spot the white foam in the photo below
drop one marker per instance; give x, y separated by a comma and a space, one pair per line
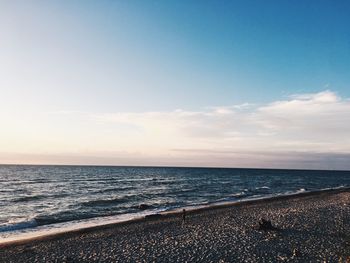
15, 232
262, 187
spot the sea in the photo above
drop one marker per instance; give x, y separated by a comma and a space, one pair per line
40, 200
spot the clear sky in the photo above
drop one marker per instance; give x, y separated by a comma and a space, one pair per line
192, 83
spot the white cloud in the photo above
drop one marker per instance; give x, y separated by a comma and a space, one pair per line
324, 96
302, 131
312, 122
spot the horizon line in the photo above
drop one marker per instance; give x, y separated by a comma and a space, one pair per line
168, 166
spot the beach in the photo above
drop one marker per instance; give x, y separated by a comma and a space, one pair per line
310, 227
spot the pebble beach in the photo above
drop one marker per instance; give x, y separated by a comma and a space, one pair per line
311, 227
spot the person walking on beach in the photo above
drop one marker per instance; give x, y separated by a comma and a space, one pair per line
183, 216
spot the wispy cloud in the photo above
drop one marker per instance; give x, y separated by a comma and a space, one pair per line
311, 130
301, 131
317, 122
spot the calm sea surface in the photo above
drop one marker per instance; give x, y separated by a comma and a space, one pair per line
35, 196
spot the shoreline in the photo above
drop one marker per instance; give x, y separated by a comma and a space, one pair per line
167, 214
306, 227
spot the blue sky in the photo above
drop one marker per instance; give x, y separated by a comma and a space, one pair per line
98, 58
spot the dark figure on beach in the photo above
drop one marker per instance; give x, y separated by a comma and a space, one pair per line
183, 216
266, 225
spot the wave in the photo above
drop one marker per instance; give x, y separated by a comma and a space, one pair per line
28, 198
116, 189
65, 216
12, 226
240, 194
103, 202
262, 187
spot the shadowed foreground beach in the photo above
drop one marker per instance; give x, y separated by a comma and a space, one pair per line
311, 228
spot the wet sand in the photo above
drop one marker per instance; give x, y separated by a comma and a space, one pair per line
311, 228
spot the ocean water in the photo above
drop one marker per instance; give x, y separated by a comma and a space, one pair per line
40, 199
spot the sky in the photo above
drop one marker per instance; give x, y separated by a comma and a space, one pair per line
176, 83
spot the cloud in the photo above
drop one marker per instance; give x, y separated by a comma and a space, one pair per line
317, 122
301, 131
311, 126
